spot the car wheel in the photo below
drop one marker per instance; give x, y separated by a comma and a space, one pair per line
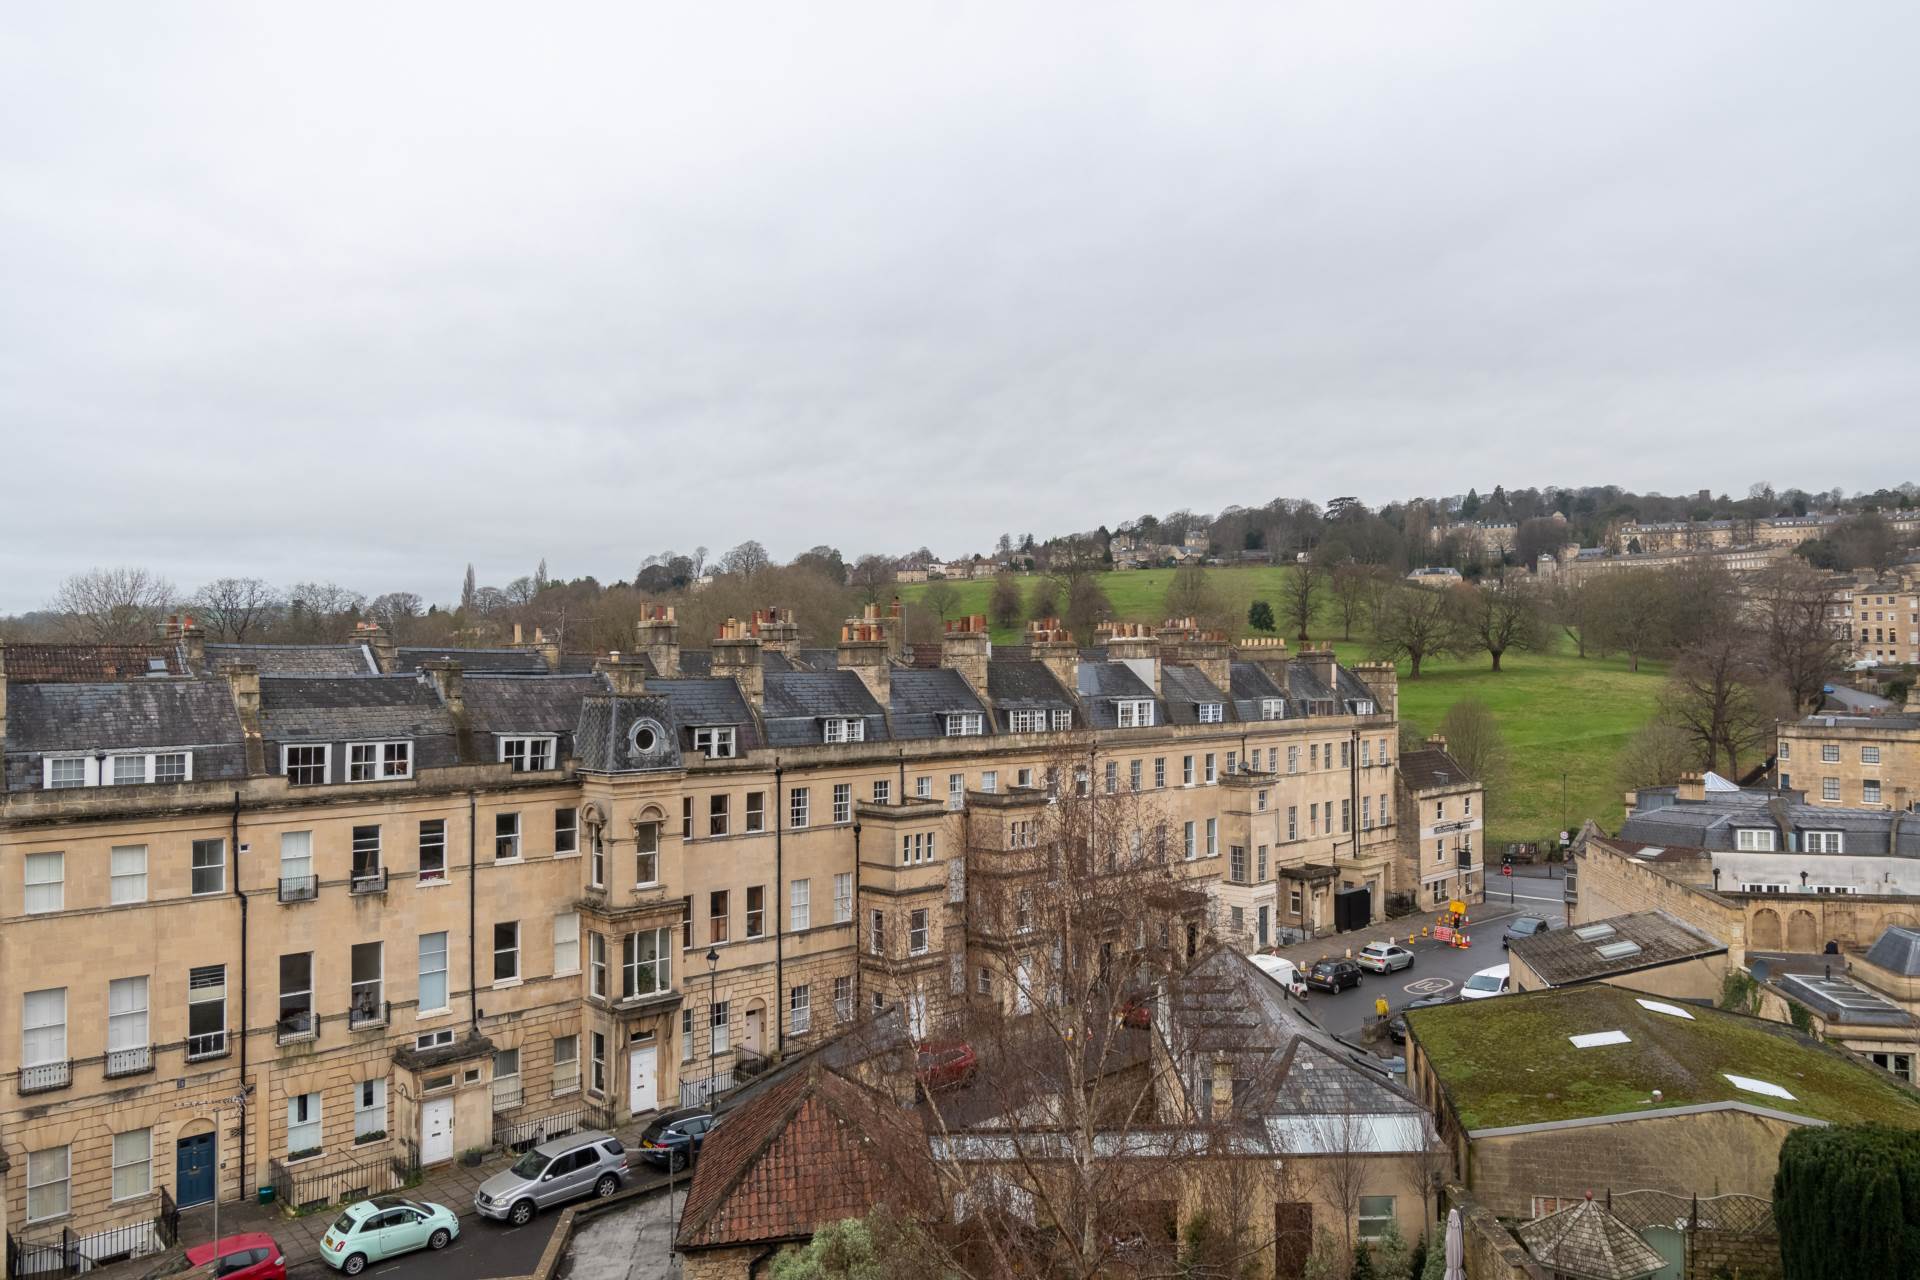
677, 1161
438, 1240
1409, 962
354, 1265
607, 1185
521, 1214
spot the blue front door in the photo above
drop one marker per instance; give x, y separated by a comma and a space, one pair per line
193, 1170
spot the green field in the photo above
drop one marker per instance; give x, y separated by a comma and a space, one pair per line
1565, 718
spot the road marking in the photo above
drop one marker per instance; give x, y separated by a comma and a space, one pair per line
1528, 897
1427, 986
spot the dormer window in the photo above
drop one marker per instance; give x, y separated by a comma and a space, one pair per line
533, 754
1754, 839
126, 769
1134, 713
379, 761
1359, 706
846, 729
1211, 712
1062, 720
963, 724
1822, 842
305, 766
717, 741
1273, 708
70, 771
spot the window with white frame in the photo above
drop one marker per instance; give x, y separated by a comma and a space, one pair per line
129, 770
799, 1010
1753, 839
306, 765
882, 791
46, 882
917, 932
686, 1033
1186, 771
597, 966
843, 999
433, 973
303, 1125
434, 1039
379, 761
1061, 719
1026, 721
1133, 775
1273, 708
843, 802
535, 753
1134, 713
842, 896
369, 1110
923, 786
132, 1164
1830, 753
366, 853
1213, 836
719, 814
1786, 749
206, 1011
646, 853
566, 943
127, 1024
66, 771
597, 1081
756, 911
433, 849
47, 1183
1113, 777
1212, 773
1376, 1217
1159, 772
209, 866
963, 724
1293, 759
717, 1024
43, 1028
717, 742
566, 1064
799, 906
1822, 841
844, 729
990, 781
1211, 712
797, 808
1190, 847
506, 837
956, 791
877, 932
506, 951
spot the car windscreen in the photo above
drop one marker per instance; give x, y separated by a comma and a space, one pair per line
1483, 982
530, 1165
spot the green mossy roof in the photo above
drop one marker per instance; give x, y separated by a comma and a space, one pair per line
1508, 1061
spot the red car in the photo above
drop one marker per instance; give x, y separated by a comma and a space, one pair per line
253, 1256
945, 1063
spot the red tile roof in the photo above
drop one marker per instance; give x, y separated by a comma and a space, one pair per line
812, 1150
86, 663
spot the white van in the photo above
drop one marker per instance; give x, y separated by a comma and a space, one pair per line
1284, 972
1486, 984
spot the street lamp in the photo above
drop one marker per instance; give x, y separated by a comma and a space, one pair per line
713, 986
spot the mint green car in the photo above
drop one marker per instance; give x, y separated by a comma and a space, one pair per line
382, 1227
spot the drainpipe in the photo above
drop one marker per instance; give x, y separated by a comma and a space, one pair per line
233, 844
473, 983
903, 776
856, 918
779, 928
1353, 787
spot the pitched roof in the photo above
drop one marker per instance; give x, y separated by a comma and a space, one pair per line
411, 658
358, 708
812, 1150
48, 719
1185, 688
298, 659
1588, 1242
1618, 944
517, 704
707, 701
1425, 768
797, 701
920, 699
71, 663
1897, 951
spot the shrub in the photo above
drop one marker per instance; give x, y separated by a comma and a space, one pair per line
1847, 1202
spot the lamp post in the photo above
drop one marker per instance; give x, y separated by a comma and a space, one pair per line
713, 987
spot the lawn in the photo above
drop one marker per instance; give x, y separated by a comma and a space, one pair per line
1565, 718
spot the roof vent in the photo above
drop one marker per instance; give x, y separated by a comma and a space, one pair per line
1618, 950
1595, 1039
1593, 932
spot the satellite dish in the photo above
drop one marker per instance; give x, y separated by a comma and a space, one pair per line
1760, 968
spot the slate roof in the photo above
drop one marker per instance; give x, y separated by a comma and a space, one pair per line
1897, 951
603, 737
84, 663
337, 709
1251, 685
1103, 683
819, 659
1183, 688
696, 662
52, 719
695, 702
919, 700
1711, 823
298, 659
1564, 956
1025, 685
515, 704
1426, 768
412, 658
1588, 1242
797, 701
812, 1150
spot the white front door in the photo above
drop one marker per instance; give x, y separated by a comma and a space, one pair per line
436, 1130
751, 1042
642, 1095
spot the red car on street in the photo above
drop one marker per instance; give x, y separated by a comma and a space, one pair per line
253, 1256
943, 1064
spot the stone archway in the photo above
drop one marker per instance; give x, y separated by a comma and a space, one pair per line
1803, 931
1764, 933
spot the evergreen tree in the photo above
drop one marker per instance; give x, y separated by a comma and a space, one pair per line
468, 591
1847, 1202
1260, 616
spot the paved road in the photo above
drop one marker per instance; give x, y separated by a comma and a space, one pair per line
485, 1248
1438, 969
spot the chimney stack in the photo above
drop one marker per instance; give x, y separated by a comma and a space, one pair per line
445, 674
966, 649
1133, 644
1182, 640
548, 650
863, 651
1270, 654
1222, 1091
189, 639
658, 636
736, 656
375, 637
1693, 786
3, 695
1319, 660
243, 682
624, 673
777, 630
1052, 646
1384, 679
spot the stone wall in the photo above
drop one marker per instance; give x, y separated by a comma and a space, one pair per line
1491, 1251
1711, 1254
1610, 884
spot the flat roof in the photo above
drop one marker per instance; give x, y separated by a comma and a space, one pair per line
1618, 944
1511, 1061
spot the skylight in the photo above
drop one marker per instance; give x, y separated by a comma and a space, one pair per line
1618, 950
1593, 932
1758, 1086
1595, 1039
1660, 1006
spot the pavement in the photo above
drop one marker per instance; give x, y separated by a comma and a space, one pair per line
627, 1243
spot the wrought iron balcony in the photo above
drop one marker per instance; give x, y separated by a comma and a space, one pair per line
129, 1062
368, 1013
46, 1076
210, 1044
368, 880
299, 888
295, 1026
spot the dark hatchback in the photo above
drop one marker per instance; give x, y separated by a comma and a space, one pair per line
673, 1140
1397, 1025
1523, 927
1332, 975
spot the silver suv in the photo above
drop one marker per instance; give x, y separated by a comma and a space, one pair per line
557, 1170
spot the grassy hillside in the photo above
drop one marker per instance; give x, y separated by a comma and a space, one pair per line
1562, 715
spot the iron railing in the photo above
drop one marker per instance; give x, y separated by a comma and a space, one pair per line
210, 1044
298, 1025
46, 1076
368, 880
70, 1254
299, 888
507, 1094
523, 1135
129, 1062
369, 1013
321, 1180
700, 1092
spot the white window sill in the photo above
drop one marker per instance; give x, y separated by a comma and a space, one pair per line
431, 1015
503, 984
650, 884
566, 973
432, 882
563, 857
567, 1092
515, 860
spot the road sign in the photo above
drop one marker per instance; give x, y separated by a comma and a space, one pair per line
1442, 933
1506, 871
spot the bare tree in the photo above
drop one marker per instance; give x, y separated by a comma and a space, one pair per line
235, 608
1569, 604
1352, 586
941, 597
1004, 605
1415, 623
1300, 592
1043, 600
114, 606
746, 559
1497, 619
1474, 739
1720, 698
872, 576
396, 612
1805, 646
321, 611
1341, 1166
1656, 756
521, 591
1628, 611
1191, 594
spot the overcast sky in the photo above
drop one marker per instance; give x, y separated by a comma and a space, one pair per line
366, 292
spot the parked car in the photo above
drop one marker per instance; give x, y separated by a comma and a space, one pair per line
384, 1227
1284, 972
1397, 1025
1485, 984
1136, 1010
559, 1169
250, 1256
673, 1140
1523, 927
1384, 957
1333, 975
942, 1064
